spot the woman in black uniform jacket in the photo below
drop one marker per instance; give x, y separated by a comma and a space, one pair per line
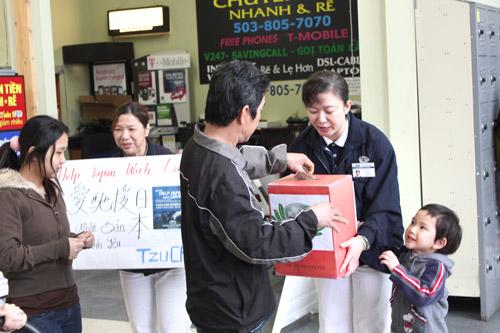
339, 143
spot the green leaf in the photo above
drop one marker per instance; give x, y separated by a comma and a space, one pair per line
282, 211
277, 215
319, 231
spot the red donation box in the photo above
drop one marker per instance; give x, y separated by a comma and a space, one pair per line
288, 196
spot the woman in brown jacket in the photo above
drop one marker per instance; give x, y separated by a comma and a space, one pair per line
36, 249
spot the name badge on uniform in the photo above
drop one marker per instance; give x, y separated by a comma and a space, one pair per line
364, 169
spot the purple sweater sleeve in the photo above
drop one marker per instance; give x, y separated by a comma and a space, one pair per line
424, 290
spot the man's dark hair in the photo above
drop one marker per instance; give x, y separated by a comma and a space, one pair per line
233, 85
447, 226
321, 82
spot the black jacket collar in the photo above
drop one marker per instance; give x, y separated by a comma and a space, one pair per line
355, 141
355, 137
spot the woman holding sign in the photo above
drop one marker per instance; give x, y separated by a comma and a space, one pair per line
155, 298
339, 143
36, 246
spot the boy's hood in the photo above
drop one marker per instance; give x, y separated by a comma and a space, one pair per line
448, 263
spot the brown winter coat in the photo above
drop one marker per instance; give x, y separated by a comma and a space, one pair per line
34, 246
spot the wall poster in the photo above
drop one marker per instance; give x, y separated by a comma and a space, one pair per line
110, 79
286, 39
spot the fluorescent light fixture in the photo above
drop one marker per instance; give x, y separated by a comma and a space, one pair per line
138, 21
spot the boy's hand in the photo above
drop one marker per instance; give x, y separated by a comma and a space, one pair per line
389, 259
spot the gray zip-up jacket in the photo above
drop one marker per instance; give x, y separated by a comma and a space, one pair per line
420, 299
228, 242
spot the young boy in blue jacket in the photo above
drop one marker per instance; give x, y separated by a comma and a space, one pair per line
419, 297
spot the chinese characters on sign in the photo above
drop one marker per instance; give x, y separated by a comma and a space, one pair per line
132, 205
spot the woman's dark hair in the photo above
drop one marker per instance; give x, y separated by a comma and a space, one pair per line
41, 133
321, 82
234, 85
137, 110
447, 226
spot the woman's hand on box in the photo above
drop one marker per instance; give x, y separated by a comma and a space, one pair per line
354, 248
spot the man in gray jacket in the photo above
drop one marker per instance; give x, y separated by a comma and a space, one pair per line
228, 242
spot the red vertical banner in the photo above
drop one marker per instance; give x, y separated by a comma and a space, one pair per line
12, 103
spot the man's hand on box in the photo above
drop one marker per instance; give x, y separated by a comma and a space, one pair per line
328, 216
299, 162
354, 248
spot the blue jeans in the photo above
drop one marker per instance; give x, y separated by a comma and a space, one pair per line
57, 321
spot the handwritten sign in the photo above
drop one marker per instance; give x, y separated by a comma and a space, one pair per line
133, 207
12, 103
287, 40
